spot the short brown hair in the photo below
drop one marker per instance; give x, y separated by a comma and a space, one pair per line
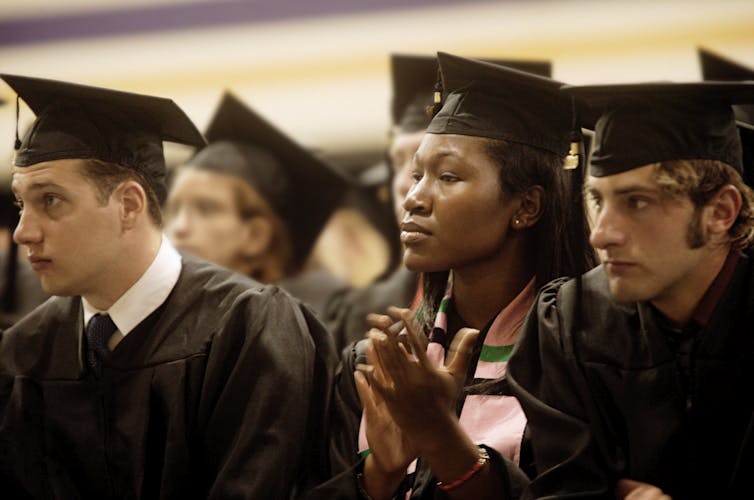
106, 176
700, 180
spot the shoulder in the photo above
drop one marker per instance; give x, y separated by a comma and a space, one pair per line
213, 295
578, 314
53, 311
26, 346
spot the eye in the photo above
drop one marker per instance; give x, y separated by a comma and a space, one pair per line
206, 208
637, 203
595, 202
417, 175
50, 200
450, 178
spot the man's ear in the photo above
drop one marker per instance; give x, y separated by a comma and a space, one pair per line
133, 202
530, 208
260, 233
722, 210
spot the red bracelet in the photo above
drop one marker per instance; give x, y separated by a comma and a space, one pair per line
484, 457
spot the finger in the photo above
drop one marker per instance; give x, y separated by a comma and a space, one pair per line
365, 392
374, 359
392, 358
461, 351
415, 335
629, 489
379, 321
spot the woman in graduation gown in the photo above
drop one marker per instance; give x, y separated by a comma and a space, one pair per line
255, 201
489, 198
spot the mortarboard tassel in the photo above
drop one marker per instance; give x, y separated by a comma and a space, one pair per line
437, 96
17, 144
572, 160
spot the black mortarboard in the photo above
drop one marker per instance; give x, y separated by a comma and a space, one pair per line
718, 68
644, 123
77, 121
302, 188
487, 100
414, 82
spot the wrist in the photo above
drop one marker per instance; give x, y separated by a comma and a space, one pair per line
377, 482
481, 461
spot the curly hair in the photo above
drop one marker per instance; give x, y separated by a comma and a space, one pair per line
699, 180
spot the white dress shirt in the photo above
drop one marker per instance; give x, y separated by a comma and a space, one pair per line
145, 296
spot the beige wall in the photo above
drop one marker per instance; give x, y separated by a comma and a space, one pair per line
325, 80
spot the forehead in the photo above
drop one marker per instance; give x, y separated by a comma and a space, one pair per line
637, 178
65, 173
451, 145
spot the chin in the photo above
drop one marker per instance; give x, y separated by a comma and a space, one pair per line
624, 294
422, 265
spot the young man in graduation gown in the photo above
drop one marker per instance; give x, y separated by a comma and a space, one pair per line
149, 375
639, 376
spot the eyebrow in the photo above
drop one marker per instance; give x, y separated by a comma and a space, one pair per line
630, 189
443, 153
39, 186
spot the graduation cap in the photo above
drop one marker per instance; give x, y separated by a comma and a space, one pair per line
719, 68
643, 123
415, 79
302, 188
82, 122
487, 100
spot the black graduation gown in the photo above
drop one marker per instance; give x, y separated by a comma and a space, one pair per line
27, 292
346, 318
605, 399
316, 288
217, 394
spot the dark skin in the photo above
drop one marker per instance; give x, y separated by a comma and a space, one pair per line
458, 218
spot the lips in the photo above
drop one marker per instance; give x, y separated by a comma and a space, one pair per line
618, 267
412, 232
39, 263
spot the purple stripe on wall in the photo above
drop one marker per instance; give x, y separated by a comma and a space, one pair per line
146, 19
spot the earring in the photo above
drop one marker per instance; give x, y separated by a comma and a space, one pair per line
516, 221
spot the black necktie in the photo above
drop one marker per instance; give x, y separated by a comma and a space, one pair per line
99, 331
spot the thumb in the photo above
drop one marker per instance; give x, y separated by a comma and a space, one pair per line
461, 350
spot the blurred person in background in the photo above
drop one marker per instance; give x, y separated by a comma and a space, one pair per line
255, 201
490, 192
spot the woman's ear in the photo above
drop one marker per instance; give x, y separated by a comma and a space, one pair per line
259, 236
530, 208
133, 202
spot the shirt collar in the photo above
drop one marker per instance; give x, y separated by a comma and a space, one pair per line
705, 308
147, 294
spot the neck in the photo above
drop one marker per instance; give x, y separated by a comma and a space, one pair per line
679, 303
482, 291
135, 258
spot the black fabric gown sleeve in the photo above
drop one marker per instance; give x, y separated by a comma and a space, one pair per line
255, 400
572, 460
